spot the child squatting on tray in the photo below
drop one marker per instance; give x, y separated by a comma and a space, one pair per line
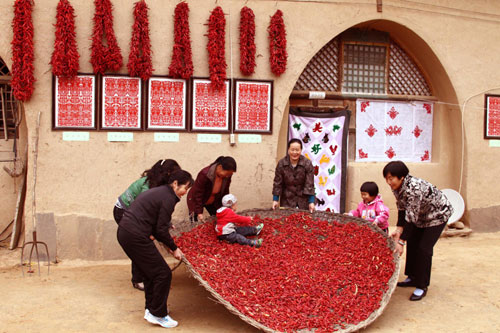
372, 207
228, 222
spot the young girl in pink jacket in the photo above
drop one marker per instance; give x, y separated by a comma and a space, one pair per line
372, 207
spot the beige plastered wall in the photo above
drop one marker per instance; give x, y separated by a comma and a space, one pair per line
78, 182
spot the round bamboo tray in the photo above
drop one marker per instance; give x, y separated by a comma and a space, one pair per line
330, 217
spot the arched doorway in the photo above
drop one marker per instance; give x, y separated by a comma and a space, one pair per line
384, 61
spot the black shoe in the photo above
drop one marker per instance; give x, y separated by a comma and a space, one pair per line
414, 297
138, 285
406, 284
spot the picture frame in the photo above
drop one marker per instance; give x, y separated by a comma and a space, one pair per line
121, 106
253, 106
491, 116
74, 102
166, 104
210, 109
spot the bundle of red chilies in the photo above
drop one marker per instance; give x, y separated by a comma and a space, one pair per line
309, 273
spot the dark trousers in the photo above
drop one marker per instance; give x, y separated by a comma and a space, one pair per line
239, 236
157, 274
420, 245
136, 273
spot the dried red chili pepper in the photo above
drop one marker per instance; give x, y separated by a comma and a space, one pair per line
182, 62
216, 48
139, 59
65, 56
309, 274
247, 41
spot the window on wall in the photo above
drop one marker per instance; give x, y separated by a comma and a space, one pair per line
8, 105
364, 68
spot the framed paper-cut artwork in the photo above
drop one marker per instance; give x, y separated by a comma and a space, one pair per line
253, 105
210, 108
74, 102
492, 116
121, 104
166, 104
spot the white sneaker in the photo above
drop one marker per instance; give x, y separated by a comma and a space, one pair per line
166, 321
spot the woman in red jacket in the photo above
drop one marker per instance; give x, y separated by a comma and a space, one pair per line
212, 183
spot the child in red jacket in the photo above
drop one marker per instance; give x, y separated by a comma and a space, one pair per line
234, 228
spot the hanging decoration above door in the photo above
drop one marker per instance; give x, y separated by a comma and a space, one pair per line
324, 138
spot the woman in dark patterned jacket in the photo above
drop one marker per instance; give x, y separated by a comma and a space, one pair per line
294, 180
423, 211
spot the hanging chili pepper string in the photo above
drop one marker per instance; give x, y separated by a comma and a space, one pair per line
247, 41
277, 43
65, 56
22, 71
139, 60
216, 48
102, 57
181, 65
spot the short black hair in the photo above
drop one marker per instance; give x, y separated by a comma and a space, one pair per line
370, 187
182, 177
396, 168
294, 141
226, 162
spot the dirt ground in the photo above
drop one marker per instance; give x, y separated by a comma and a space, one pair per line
464, 296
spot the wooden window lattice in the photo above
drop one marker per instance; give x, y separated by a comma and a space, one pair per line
8, 106
364, 68
405, 78
402, 75
322, 72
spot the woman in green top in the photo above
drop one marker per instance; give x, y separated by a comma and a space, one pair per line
157, 175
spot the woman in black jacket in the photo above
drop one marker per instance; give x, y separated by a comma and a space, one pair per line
150, 214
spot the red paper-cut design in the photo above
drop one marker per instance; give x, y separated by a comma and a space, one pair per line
371, 131
121, 102
167, 103
393, 130
74, 102
334, 149
210, 106
390, 152
330, 192
362, 154
425, 157
428, 108
317, 128
393, 113
417, 131
492, 116
253, 106
364, 105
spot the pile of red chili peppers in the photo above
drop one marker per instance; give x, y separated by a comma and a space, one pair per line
308, 274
